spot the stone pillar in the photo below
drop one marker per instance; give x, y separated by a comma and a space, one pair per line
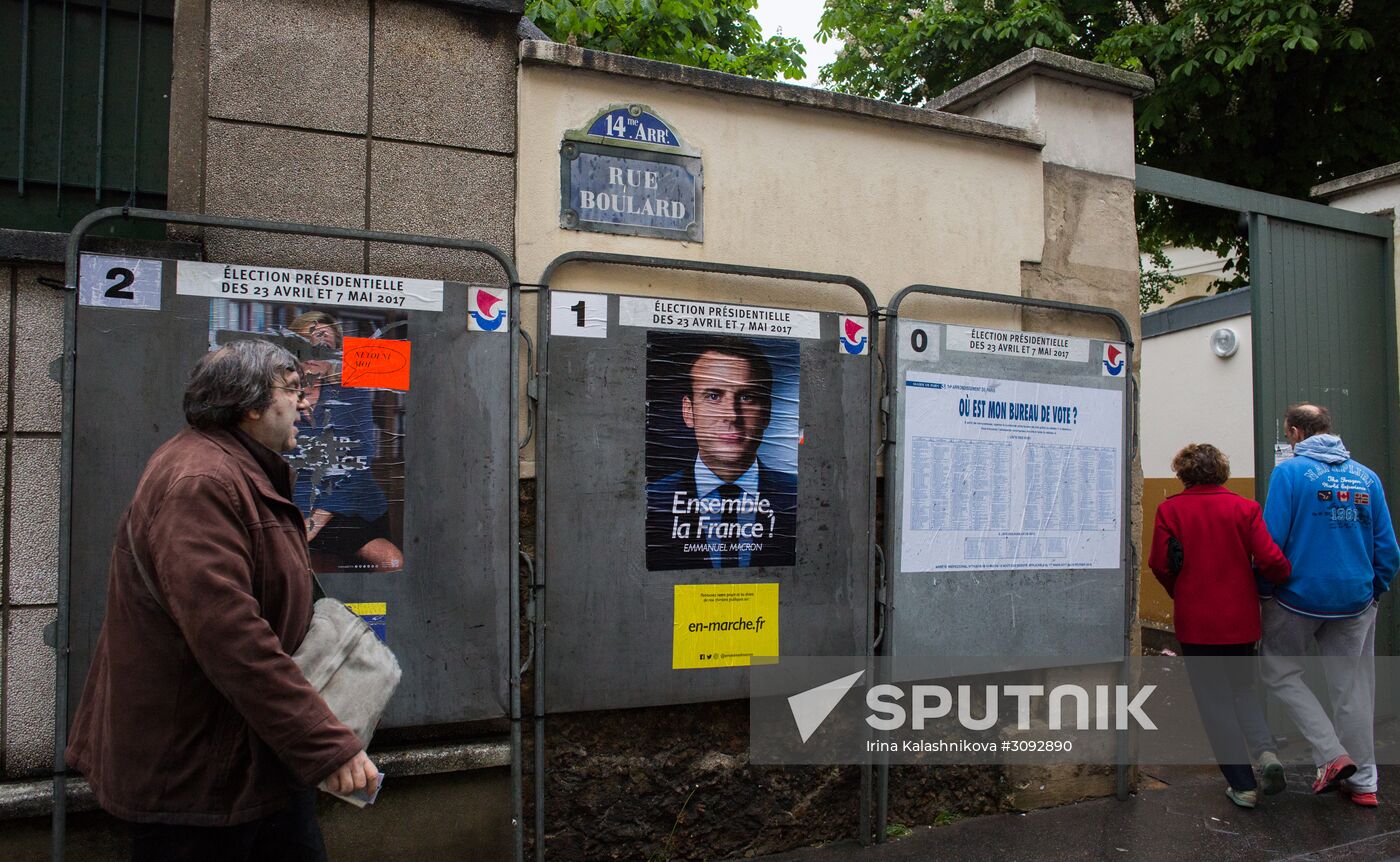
1084, 111
32, 423
393, 115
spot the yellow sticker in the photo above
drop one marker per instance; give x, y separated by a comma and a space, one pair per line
375, 615
724, 625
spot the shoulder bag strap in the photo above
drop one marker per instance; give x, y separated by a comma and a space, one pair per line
317, 591
145, 575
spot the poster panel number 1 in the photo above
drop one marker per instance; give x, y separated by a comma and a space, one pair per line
583, 315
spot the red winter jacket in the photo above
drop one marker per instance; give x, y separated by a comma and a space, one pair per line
1220, 532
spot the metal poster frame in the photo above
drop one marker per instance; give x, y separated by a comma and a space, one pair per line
539, 582
893, 472
61, 639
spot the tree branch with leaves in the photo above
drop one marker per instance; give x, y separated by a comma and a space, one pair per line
1273, 95
722, 35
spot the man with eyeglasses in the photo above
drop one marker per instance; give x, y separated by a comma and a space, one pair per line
195, 724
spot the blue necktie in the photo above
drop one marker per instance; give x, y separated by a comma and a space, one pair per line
729, 492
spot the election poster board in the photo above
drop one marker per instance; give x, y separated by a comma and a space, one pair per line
349, 458
706, 493
402, 462
721, 451
1010, 474
1007, 538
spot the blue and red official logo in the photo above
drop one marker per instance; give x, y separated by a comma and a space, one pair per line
487, 311
1114, 359
854, 338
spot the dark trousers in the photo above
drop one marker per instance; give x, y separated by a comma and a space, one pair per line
291, 835
1228, 697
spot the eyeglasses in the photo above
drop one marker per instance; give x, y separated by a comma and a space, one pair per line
301, 391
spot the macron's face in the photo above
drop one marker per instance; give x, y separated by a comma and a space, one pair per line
728, 410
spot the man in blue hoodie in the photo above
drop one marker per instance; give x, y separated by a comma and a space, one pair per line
1328, 515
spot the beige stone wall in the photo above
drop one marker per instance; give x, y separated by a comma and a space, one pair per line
789, 186
1090, 257
890, 201
31, 425
793, 187
818, 187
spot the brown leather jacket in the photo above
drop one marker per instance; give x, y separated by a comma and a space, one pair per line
200, 716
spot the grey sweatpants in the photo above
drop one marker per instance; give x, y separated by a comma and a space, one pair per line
1347, 649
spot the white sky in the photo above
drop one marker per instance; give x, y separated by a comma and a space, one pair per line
799, 18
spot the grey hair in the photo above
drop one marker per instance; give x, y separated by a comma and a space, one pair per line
233, 380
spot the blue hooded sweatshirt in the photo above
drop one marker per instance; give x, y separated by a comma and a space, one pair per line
1328, 515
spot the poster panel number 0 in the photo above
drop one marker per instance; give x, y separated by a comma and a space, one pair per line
919, 341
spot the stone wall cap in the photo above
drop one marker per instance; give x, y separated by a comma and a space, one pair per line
570, 56
36, 246
504, 7
34, 798
1355, 182
435, 759
1038, 61
528, 30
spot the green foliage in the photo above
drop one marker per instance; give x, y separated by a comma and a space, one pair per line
722, 35
944, 817
1273, 95
1155, 278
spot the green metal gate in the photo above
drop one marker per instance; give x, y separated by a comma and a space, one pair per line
1323, 307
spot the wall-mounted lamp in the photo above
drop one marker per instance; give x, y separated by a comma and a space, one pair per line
1224, 342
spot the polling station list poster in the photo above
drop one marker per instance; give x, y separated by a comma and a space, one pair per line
1010, 474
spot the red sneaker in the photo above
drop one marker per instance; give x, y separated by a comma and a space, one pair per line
1334, 773
1365, 800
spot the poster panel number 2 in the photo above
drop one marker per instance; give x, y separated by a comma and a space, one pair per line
119, 282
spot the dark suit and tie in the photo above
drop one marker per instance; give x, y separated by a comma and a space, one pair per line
669, 513
720, 506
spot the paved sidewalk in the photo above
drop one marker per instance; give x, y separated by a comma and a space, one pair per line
1180, 814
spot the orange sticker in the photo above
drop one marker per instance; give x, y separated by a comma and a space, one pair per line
376, 363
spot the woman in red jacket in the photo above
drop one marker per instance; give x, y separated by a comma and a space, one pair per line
1207, 544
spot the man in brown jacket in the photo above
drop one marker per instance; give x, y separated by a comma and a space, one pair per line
195, 724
